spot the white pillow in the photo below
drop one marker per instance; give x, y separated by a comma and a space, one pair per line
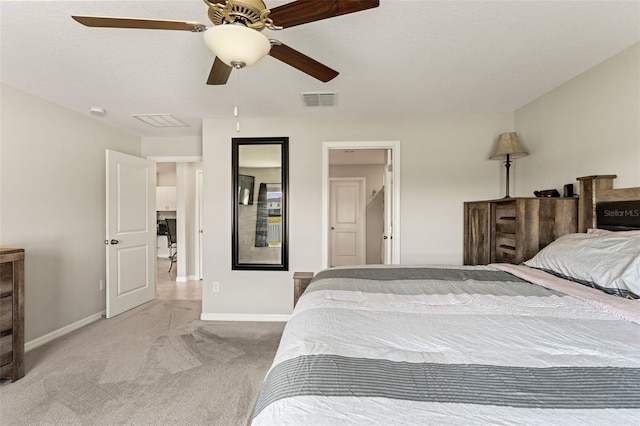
634, 233
609, 263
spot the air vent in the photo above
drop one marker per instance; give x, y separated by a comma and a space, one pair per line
319, 99
160, 120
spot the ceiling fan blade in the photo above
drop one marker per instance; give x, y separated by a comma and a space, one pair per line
305, 11
151, 24
219, 73
302, 62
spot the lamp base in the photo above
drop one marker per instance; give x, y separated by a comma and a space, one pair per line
507, 164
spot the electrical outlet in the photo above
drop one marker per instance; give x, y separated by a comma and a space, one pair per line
216, 287
101, 285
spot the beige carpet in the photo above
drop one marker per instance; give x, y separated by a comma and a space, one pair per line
157, 364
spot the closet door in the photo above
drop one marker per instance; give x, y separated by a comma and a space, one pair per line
347, 221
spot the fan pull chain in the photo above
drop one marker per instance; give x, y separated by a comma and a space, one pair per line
236, 112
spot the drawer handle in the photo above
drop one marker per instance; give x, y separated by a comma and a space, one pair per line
504, 246
507, 218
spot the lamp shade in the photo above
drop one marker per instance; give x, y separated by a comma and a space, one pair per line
236, 44
508, 143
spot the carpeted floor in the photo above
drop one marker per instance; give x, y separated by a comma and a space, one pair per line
157, 364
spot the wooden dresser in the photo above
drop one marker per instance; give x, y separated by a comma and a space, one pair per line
11, 313
513, 230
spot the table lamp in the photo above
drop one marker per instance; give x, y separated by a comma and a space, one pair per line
508, 148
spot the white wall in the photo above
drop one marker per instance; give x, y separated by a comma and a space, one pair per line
183, 146
588, 126
444, 162
52, 186
166, 178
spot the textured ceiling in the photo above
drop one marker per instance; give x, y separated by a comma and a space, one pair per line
404, 57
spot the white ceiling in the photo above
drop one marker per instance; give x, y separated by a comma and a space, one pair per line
404, 57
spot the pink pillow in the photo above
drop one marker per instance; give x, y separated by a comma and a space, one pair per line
614, 233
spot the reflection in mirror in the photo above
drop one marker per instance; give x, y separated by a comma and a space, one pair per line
260, 175
245, 189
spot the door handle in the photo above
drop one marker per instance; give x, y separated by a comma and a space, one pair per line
384, 237
332, 228
114, 241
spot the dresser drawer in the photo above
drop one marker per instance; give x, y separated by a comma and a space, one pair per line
505, 250
6, 313
6, 279
506, 218
6, 349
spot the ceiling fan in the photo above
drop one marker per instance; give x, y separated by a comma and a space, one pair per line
236, 38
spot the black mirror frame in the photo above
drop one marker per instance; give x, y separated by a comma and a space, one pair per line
284, 161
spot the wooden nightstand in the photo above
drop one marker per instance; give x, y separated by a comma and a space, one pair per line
301, 281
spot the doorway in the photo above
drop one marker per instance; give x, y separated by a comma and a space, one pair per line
178, 267
377, 165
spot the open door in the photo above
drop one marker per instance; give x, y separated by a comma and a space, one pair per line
199, 220
130, 232
387, 236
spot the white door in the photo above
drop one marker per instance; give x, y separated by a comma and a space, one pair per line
387, 237
347, 239
131, 231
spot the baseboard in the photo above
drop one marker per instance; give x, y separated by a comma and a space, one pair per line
245, 317
187, 278
37, 342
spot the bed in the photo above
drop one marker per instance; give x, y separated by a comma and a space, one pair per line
553, 341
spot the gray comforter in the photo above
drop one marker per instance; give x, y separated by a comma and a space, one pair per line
443, 345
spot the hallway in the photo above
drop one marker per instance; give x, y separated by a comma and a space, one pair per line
168, 288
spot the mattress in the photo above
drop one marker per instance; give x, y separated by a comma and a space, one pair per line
452, 345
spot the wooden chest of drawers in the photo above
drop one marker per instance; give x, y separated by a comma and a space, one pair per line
513, 230
11, 313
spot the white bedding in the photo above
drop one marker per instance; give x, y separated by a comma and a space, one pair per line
488, 348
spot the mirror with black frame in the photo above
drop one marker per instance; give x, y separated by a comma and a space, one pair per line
260, 175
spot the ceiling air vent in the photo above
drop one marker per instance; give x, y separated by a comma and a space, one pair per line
319, 99
160, 120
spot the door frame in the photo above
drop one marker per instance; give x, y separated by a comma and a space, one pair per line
394, 146
199, 222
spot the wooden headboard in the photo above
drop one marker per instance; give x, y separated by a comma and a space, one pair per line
598, 190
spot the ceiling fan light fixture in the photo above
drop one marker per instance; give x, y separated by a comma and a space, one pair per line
236, 44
